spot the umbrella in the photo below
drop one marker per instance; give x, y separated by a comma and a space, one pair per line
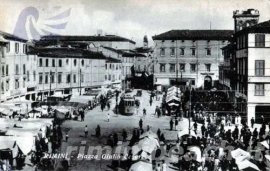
148, 144
149, 134
141, 166
173, 104
197, 151
265, 144
247, 165
240, 155
186, 132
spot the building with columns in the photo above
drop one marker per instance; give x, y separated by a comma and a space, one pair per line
192, 56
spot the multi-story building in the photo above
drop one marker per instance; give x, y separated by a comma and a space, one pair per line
252, 64
16, 67
68, 70
192, 56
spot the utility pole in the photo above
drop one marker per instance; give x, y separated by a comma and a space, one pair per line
50, 86
80, 82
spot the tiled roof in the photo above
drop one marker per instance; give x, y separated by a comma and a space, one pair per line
112, 49
144, 50
12, 37
56, 38
263, 27
67, 52
195, 35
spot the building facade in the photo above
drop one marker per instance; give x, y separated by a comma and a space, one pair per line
252, 65
192, 56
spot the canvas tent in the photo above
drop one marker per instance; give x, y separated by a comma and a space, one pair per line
141, 166
185, 132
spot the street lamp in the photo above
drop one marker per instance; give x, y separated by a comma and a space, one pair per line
80, 82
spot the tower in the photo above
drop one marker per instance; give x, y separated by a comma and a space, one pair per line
145, 41
245, 18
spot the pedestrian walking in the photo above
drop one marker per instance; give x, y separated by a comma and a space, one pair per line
98, 131
144, 112
171, 124
115, 139
67, 136
85, 131
195, 125
252, 122
141, 123
150, 101
124, 135
148, 128
158, 133
176, 123
203, 129
108, 116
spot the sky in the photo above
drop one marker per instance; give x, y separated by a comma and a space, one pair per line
127, 18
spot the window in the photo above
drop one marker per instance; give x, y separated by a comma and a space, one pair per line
40, 62
162, 67
28, 76
17, 69
116, 66
75, 62
24, 69
105, 77
24, 48
172, 51
53, 63
182, 51
67, 61
23, 82
192, 67
193, 51
59, 77
60, 62
34, 74
162, 52
17, 83
82, 62
52, 77
7, 85
208, 67
106, 66
182, 67
68, 78
8, 47
46, 78
110, 66
208, 52
259, 89
17, 47
6, 70
259, 40
3, 71
82, 78
40, 78
172, 67
74, 78
259, 67
109, 77
2, 87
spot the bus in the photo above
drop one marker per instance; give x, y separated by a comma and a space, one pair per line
127, 105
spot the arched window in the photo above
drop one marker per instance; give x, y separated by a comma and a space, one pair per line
82, 62
67, 61
106, 66
110, 66
2, 87
75, 62
28, 78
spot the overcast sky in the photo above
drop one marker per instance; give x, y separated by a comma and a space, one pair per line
128, 18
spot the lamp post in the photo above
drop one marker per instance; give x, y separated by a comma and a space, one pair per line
189, 113
80, 82
50, 87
